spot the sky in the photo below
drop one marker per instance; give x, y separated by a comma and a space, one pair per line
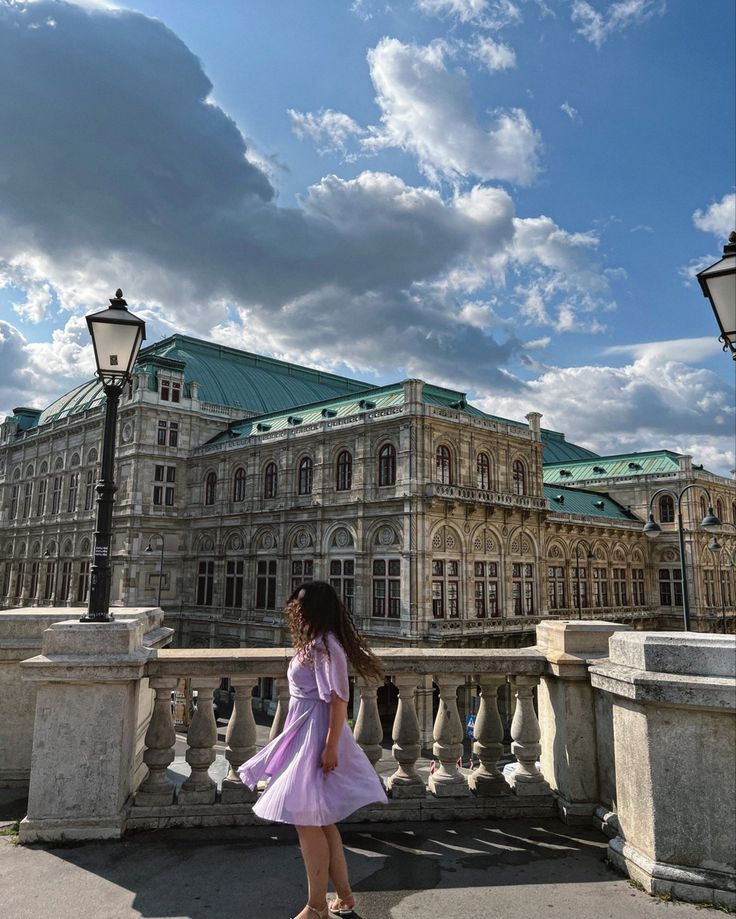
505, 197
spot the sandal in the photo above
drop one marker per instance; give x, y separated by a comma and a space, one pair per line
338, 907
320, 914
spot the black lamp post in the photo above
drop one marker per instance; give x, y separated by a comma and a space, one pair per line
718, 283
710, 523
116, 336
149, 548
589, 557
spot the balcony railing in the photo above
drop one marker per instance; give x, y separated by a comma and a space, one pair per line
158, 802
482, 496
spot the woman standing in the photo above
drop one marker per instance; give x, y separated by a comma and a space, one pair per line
316, 773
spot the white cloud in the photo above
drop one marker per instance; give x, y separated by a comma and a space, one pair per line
427, 111
493, 55
329, 129
676, 349
598, 27
572, 113
489, 14
719, 218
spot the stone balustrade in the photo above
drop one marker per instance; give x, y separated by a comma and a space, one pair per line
448, 791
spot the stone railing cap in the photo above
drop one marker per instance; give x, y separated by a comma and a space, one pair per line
584, 638
687, 653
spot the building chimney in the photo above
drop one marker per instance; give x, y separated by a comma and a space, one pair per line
534, 419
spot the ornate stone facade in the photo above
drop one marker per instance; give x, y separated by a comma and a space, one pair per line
431, 518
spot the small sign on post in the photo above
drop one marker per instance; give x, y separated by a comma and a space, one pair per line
470, 726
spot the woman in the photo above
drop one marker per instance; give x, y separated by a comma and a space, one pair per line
316, 772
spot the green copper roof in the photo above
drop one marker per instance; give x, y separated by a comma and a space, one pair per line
88, 395
558, 450
563, 500
622, 465
227, 376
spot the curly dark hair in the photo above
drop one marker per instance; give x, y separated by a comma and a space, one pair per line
312, 611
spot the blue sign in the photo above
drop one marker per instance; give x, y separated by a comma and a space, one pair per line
470, 726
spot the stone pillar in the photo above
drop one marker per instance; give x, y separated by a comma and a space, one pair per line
200, 788
282, 707
405, 782
241, 741
448, 781
567, 714
526, 777
674, 730
487, 780
368, 731
425, 709
157, 789
88, 695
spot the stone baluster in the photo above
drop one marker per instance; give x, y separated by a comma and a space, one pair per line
447, 780
241, 741
199, 788
282, 707
525, 777
405, 782
368, 730
487, 780
157, 788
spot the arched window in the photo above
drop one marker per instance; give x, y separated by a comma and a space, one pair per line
344, 471
306, 474
666, 509
518, 474
444, 465
719, 510
703, 509
484, 471
210, 488
239, 484
270, 481
387, 465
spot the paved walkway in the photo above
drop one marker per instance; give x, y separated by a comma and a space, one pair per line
470, 870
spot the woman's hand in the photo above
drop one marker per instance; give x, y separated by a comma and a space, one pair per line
328, 760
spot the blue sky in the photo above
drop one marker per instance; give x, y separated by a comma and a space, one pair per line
504, 196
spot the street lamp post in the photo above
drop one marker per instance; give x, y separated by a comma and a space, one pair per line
718, 283
149, 548
589, 558
116, 336
710, 523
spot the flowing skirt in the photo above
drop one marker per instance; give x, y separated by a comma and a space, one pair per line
298, 791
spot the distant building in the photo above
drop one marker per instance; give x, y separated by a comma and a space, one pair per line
434, 520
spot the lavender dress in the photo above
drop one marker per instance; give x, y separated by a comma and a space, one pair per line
298, 791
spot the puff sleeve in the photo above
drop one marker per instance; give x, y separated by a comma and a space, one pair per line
331, 672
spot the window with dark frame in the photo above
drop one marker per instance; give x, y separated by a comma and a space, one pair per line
443, 464
342, 578
709, 583
56, 495
522, 586
666, 509
344, 471
205, 582
483, 469
619, 587
387, 465
33, 589
173, 433
270, 481
176, 392
600, 586
27, 497
210, 488
161, 434
266, 584
89, 490
234, 583
83, 581
387, 588
485, 589
518, 475
66, 577
302, 570
165, 390
637, 586
556, 586
239, 485
41, 498
48, 588
445, 589
14, 501
19, 581
71, 504
7, 577
306, 476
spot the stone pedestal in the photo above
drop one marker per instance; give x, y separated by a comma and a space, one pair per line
674, 727
89, 692
567, 715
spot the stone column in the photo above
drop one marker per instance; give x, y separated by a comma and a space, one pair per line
425, 709
241, 741
567, 713
88, 680
368, 730
674, 735
157, 788
448, 781
525, 777
200, 788
487, 780
282, 707
405, 782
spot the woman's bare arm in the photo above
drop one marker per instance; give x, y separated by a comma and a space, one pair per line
338, 715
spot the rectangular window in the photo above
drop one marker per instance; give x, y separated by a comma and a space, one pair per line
33, 590
445, 589
83, 582
522, 588
66, 577
48, 588
438, 599
266, 584
173, 433
709, 581
89, 490
486, 589
234, 584
19, 583
7, 576
637, 586
158, 495
619, 587
176, 392
27, 496
726, 594
56, 495
205, 583
171, 473
342, 578
14, 502
665, 588
600, 587
580, 586
165, 390
41, 499
71, 504
169, 496
301, 570
387, 588
161, 434
158, 473
556, 587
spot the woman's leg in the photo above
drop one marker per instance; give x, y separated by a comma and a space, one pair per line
316, 855
338, 865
